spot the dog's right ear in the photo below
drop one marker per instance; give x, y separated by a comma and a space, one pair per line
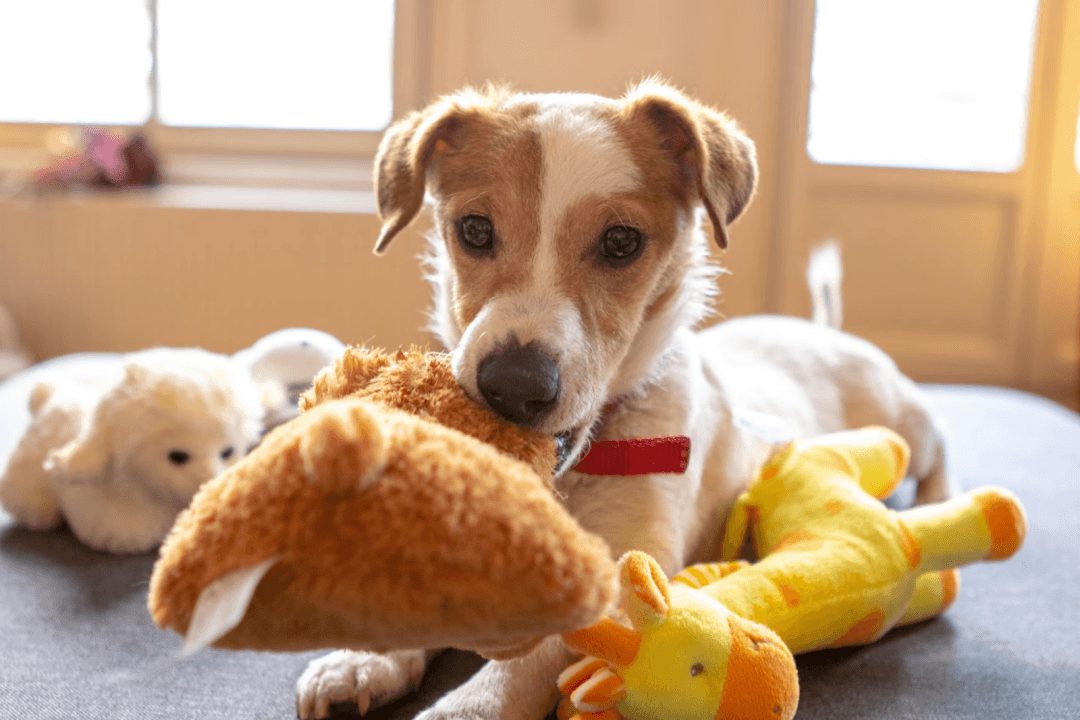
714, 158
407, 149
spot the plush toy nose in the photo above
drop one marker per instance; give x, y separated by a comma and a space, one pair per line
762, 680
519, 383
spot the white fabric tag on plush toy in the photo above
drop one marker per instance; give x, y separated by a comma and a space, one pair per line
222, 604
772, 429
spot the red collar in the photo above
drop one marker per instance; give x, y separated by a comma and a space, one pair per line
639, 456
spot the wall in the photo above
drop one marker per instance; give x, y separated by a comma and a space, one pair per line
103, 273
219, 269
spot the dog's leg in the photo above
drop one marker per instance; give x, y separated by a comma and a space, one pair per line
935, 481
520, 689
368, 679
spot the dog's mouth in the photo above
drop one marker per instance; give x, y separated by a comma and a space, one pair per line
572, 445
565, 444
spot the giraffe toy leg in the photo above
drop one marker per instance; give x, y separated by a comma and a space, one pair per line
934, 592
984, 524
881, 455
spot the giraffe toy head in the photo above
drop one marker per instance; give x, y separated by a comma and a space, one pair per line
682, 655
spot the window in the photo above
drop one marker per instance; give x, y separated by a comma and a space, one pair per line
316, 65
921, 83
67, 61
320, 64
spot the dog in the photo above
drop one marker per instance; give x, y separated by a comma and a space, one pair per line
570, 268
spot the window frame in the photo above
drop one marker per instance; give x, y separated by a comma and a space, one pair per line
260, 156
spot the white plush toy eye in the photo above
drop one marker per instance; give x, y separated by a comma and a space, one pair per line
179, 457
227, 453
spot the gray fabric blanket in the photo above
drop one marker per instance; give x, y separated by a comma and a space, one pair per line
76, 640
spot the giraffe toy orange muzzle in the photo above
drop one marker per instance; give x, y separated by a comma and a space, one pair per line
762, 681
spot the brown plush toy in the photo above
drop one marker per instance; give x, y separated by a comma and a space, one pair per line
393, 513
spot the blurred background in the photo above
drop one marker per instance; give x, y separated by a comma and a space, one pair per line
936, 140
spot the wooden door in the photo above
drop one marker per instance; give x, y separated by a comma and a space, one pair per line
968, 275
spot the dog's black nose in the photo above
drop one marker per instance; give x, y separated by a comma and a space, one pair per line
519, 383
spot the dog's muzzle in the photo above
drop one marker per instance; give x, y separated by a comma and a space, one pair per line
519, 383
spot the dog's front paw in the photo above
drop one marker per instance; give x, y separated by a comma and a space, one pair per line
368, 679
490, 702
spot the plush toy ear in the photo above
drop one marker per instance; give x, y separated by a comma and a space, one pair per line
89, 456
715, 159
605, 639
82, 460
646, 595
408, 149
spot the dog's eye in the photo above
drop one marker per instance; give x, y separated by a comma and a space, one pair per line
227, 453
179, 457
620, 245
476, 235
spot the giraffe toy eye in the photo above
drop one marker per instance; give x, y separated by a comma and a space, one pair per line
697, 669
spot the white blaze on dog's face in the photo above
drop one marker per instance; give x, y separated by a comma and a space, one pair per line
567, 248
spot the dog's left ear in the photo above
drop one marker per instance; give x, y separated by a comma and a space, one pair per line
410, 147
713, 157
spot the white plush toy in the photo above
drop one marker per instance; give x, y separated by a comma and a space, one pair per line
117, 445
119, 453
289, 359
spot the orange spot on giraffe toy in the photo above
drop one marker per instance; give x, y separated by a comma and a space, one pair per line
720, 644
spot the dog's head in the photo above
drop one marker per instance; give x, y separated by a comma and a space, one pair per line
567, 249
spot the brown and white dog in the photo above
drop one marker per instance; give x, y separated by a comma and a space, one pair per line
570, 268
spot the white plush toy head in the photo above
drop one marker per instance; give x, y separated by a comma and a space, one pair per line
177, 418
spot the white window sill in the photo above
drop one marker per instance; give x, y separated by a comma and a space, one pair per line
224, 182
219, 197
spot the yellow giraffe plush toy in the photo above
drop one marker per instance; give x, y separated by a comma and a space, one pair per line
836, 567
